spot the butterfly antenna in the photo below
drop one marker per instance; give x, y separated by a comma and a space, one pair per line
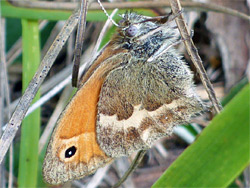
104, 10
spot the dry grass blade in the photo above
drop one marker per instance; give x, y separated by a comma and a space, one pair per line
2, 95
6, 97
11, 166
34, 85
79, 41
58, 26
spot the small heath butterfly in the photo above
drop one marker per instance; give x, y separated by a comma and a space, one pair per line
133, 94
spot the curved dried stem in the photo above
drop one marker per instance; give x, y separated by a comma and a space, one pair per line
132, 167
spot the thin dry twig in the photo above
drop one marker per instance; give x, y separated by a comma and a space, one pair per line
34, 85
7, 98
70, 49
121, 166
131, 5
58, 26
11, 166
193, 53
2, 93
132, 167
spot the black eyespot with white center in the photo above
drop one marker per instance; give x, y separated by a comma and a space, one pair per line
132, 31
70, 152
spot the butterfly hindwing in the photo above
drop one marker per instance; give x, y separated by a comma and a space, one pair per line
141, 102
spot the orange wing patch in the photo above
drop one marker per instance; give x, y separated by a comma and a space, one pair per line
73, 151
80, 119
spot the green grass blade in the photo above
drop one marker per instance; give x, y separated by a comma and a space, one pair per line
219, 154
234, 90
28, 160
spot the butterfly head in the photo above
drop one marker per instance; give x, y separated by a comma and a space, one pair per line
143, 35
132, 25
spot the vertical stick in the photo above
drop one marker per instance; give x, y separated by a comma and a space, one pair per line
193, 53
79, 41
2, 93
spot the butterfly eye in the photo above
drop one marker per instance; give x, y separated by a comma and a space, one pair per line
121, 22
132, 31
70, 152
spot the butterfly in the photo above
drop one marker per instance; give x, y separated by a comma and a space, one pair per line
134, 93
